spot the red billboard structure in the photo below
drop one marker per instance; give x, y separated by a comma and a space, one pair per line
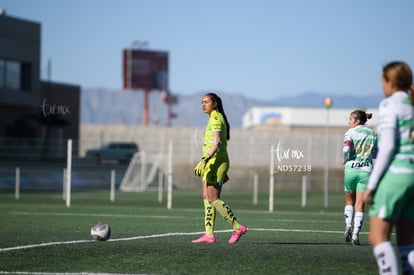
146, 71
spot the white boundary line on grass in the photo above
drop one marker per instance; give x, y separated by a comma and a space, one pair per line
137, 238
110, 240
162, 236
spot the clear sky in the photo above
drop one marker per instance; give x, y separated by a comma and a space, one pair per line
262, 49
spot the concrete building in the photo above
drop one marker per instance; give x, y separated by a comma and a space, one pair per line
20, 93
30, 108
293, 118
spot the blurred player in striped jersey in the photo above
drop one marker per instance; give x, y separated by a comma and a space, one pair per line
390, 187
359, 150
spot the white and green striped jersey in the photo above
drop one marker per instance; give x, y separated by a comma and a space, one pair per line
397, 112
396, 137
360, 148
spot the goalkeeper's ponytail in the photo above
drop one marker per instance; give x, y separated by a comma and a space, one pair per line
220, 109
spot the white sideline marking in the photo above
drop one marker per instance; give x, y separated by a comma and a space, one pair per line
42, 245
110, 240
163, 235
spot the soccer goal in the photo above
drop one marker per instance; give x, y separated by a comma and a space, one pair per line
144, 170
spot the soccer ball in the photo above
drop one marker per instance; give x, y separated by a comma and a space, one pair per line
100, 231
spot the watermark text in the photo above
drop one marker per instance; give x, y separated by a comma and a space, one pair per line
54, 109
287, 155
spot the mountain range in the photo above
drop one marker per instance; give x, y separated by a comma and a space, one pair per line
111, 106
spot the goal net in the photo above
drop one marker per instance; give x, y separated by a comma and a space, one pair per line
144, 170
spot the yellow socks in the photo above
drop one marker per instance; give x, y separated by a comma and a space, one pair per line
226, 212
209, 217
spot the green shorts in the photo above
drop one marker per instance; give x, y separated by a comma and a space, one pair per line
394, 197
215, 171
355, 180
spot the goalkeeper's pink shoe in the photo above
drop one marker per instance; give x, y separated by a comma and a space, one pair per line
237, 234
205, 239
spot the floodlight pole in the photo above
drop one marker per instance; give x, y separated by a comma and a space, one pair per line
328, 104
137, 44
145, 114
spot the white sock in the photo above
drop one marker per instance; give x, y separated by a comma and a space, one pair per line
358, 220
348, 214
410, 259
386, 260
407, 259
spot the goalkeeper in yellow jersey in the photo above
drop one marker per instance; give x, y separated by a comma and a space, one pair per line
213, 169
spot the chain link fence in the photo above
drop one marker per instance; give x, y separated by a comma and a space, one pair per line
41, 163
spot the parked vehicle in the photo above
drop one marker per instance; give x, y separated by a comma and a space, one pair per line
121, 152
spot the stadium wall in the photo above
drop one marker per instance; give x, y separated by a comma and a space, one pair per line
298, 152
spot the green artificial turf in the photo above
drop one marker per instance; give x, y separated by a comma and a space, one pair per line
39, 234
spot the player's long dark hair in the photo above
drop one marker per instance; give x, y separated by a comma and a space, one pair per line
220, 109
401, 76
362, 116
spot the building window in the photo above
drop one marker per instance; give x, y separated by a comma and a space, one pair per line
26, 77
15, 75
2, 73
12, 75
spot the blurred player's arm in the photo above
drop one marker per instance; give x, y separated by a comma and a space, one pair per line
346, 149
